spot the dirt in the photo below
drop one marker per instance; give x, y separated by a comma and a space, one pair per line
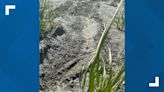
72, 41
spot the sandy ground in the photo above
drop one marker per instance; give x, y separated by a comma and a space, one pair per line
72, 41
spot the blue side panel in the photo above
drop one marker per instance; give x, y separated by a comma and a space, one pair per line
19, 46
144, 45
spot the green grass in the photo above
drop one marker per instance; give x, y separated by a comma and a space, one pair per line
46, 17
98, 80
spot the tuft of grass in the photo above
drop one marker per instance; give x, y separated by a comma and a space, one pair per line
46, 22
99, 80
46, 17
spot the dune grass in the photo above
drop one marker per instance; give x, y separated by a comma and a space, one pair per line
46, 17
98, 80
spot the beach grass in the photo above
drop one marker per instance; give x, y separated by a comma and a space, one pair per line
94, 77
